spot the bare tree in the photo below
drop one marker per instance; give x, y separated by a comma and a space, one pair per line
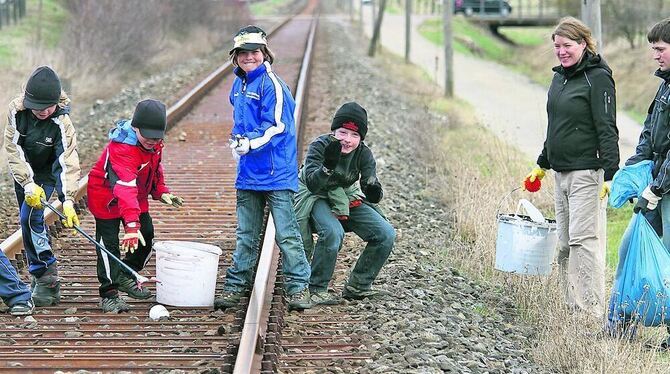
630, 19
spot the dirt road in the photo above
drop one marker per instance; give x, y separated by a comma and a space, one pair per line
508, 103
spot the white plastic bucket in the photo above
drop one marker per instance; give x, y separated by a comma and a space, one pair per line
526, 244
187, 272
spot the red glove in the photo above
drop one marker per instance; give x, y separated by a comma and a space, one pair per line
130, 239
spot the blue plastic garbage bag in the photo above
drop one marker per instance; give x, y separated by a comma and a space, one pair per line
629, 182
642, 285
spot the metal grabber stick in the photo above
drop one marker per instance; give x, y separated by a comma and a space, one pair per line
138, 278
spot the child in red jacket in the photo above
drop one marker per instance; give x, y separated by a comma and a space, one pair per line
119, 185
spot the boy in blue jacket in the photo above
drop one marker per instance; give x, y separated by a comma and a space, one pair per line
264, 142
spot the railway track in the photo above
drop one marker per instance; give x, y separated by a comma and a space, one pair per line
258, 336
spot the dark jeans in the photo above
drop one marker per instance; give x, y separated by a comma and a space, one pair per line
365, 222
107, 234
35, 233
250, 212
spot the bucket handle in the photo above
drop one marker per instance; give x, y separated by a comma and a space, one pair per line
503, 199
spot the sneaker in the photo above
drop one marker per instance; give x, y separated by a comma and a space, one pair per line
46, 289
114, 304
228, 299
300, 300
22, 308
130, 286
353, 293
324, 298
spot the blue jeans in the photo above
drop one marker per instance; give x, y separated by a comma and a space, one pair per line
250, 212
35, 233
12, 289
369, 225
659, 217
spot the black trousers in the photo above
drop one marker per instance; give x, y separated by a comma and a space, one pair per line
107, 233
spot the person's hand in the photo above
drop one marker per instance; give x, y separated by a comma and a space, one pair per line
605, 190
70, 214
531, 182
240, 144
34, 195
131, 238
372, 190
332, 154
170, 199
648, 201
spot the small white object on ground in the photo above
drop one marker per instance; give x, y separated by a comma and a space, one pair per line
157, 312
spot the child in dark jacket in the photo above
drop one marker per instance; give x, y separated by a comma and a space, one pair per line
41, 146
334, 164
128, 172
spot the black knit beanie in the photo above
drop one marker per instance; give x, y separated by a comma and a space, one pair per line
354, 116
42, 90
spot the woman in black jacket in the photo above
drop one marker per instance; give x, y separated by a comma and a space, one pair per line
582, 149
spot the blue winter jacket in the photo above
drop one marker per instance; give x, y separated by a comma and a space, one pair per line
263, 112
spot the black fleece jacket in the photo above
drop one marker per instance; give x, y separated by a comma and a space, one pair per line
581, 108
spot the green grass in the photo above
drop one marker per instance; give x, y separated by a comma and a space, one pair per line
470, 39
617, 221
15, 37
267, 7
527, 36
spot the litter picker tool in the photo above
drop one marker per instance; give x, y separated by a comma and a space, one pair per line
138, 278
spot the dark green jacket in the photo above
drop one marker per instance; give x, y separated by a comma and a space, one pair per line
581, 109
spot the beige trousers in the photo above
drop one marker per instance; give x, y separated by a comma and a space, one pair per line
581, 227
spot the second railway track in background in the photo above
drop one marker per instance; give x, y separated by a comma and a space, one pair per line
76, 335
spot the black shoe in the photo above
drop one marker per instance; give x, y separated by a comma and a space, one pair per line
22, 308
130, 286
353, 293
114, 304
46, 288
228, 299
300, 300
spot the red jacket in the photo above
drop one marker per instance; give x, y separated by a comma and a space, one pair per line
124, 176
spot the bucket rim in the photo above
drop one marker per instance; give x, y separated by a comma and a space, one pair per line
198, 246
513, 218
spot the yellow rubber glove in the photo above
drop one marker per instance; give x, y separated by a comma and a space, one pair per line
34, 195
170, 199
537, 173
605, 190
70, 214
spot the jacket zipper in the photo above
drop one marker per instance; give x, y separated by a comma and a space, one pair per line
606, 101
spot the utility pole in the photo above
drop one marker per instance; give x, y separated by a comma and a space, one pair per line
408, 29
377, 30
591, 17
448, 11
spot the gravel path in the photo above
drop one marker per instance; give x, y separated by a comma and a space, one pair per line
436, 319
506, 102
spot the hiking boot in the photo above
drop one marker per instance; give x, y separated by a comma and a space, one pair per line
130, 286
22, 308
300, 300
46, 289
228, 299
114, 304
324, 298
353, 293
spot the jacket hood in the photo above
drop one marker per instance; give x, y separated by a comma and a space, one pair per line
588, 62
16, 105
123, 133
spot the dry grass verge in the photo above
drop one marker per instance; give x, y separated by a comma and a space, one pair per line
472, 172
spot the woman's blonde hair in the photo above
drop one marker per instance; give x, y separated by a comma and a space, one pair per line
267, 55
574, 29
